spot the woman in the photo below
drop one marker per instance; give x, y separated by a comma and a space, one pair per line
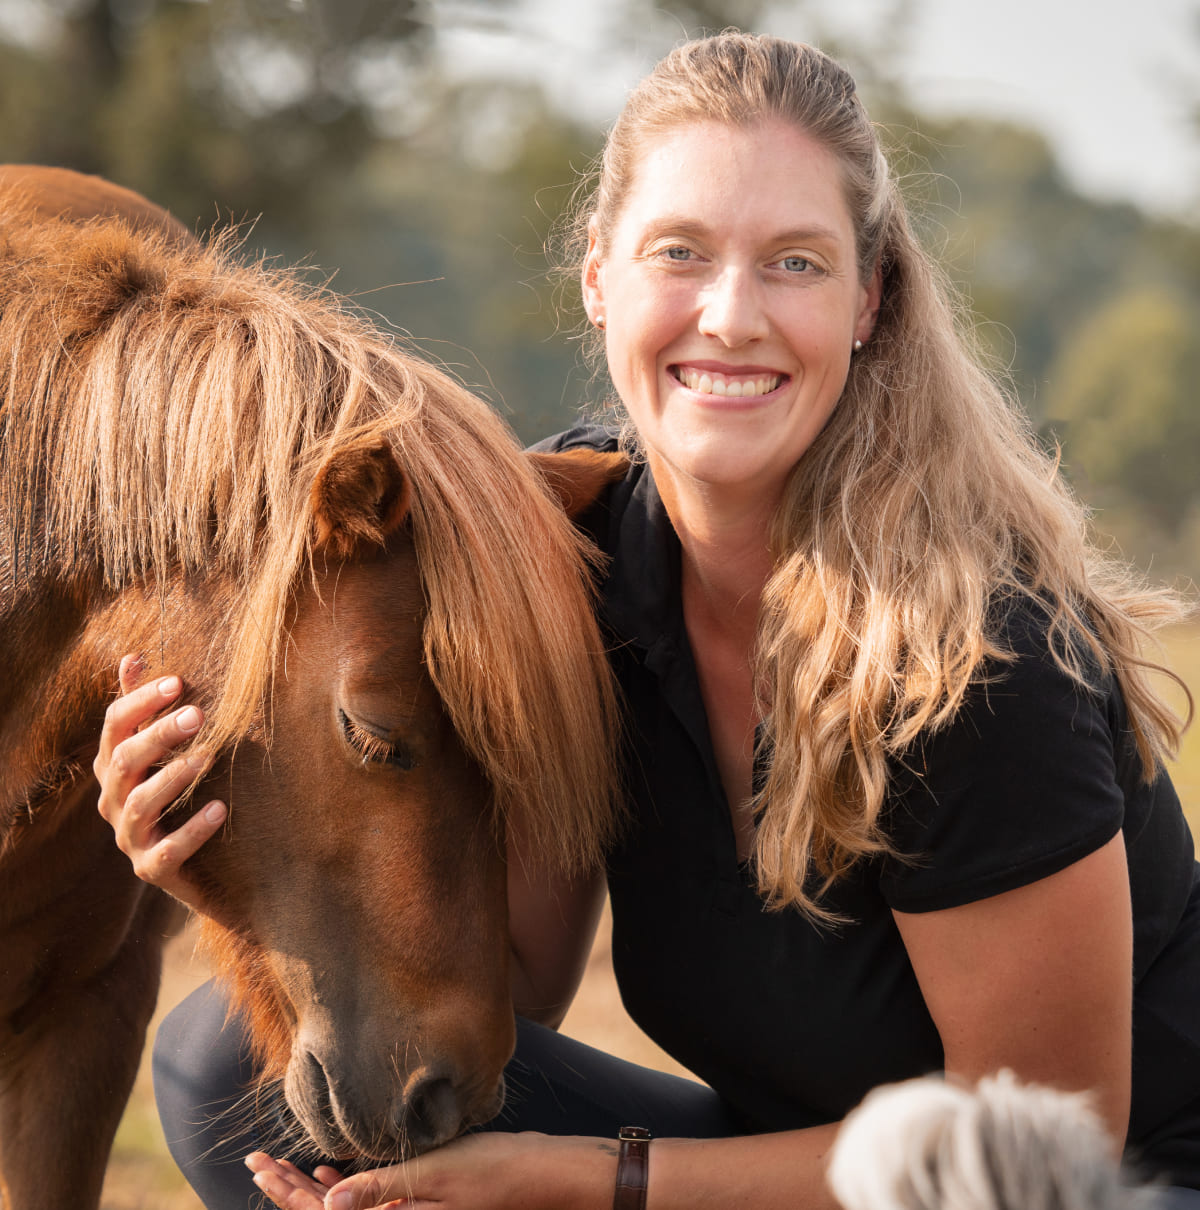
893, 759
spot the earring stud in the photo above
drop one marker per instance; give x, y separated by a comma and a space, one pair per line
857, 346
600, 321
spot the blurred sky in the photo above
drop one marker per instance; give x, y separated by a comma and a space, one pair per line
1115, 84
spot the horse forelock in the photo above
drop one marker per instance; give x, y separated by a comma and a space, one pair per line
164, 410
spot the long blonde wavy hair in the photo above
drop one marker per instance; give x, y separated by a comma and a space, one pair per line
925, 499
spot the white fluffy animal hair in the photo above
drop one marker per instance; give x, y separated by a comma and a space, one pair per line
933, 1144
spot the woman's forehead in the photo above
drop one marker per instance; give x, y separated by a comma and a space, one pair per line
768, 176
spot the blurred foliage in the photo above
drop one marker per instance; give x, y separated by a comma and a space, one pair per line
1124, 391
1091, 308
350, 136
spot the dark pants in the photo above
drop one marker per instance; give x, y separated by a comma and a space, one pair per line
554, 1084
1178, 1199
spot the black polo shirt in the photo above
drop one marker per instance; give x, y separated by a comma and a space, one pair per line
793, 1023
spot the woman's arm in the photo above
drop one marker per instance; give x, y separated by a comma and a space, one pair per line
541, 1172
552, 922
1038, 979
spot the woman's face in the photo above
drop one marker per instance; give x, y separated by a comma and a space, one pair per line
731, 302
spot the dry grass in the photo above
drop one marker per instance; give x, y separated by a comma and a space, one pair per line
141, 1175
1183, 655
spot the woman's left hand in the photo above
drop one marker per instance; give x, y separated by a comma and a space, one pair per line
491, 1171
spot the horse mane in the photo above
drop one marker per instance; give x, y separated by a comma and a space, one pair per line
165, 407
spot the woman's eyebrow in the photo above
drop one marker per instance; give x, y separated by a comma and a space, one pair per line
683, 225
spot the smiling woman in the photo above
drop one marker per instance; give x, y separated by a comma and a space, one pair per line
892, 754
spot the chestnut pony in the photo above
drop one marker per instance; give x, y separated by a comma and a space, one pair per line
386, 615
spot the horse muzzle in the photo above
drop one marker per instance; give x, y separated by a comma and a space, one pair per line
392, 1114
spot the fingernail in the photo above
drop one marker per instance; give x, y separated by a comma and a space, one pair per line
340, 1201
188, 720
214, 811
168, 686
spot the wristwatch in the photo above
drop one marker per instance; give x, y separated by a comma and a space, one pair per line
633, 1168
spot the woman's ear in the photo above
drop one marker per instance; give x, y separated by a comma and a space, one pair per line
593, 278
872, 296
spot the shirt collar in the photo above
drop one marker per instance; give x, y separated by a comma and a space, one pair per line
642, 598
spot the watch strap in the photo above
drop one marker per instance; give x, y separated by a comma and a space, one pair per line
633, 1168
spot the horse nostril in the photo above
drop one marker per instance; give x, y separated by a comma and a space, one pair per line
429, 1114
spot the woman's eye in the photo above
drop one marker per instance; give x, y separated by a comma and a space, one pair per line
374, 749
796, 264
677, 252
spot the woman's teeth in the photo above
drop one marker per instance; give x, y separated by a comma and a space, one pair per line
708, 383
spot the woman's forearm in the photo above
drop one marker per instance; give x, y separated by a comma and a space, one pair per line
781, 1171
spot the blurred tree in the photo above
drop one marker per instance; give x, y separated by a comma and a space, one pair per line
698, 16
1122, 395
1032, 254
1092, 308
219, 103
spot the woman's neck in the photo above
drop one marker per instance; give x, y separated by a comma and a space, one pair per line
725, 544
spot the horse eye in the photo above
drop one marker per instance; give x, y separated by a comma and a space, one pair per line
374, 749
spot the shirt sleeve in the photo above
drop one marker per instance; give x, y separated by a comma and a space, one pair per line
1021, 784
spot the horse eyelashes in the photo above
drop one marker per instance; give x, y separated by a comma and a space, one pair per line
374, 749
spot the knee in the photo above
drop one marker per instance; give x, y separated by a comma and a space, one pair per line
199, 1055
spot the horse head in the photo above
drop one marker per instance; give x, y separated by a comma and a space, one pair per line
384, 610
357, 898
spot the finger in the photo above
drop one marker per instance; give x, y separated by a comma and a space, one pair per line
134, 799
127, 713
301, 1177
326, 1175
129, 672
285, 1184
138, 751
136, 817
132, 759
286, 1195
160, 863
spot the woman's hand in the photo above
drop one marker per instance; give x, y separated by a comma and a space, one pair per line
132, 799
490, 1171
287, 1186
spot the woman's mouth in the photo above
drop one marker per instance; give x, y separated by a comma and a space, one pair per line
709, 382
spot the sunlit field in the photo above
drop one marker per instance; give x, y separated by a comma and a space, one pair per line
1183, 656
141, 1175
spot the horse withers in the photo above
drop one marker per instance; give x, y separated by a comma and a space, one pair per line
386, 615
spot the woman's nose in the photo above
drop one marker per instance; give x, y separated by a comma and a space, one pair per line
732, 309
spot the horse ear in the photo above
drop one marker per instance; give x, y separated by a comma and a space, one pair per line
578, 476
361, 494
